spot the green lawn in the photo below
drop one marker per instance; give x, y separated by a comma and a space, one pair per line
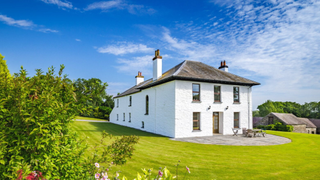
89, 118
297, 160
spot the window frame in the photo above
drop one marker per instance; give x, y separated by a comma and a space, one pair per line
117, 117
270, 119
117, 103
234, 120
130, 101
198, 120
234, 93
124, 116
196, 100
147, 105
129, 117
214, 94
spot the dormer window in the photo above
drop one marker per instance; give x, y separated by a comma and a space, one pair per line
130, 101
195, 92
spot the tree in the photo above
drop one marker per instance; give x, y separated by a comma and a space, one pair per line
35, 132
3, 66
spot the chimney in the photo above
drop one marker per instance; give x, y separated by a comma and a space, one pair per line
157, 65
223, 66
139, 78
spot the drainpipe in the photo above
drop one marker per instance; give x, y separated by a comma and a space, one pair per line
248, 99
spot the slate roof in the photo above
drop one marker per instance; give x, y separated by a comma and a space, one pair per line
316, 122
192, 71
291, 119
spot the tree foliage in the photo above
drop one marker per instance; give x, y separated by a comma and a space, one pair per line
100, 104
307, 110
35, 133
3, 66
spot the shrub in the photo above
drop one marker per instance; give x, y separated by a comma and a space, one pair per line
271, 127
289, 128
35, 132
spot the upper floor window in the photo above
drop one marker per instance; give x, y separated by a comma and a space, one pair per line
117, 102
147, 105
196, 92
217, 95
196, 121
236, 123
130, 100
236, 97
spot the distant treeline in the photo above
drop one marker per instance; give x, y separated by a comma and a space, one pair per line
307, 110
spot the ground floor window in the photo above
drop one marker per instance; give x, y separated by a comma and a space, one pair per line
129, 117
117, 117
236, 120
196, 121
124, 116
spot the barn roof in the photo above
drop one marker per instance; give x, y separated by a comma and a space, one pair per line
192, 71
291, 119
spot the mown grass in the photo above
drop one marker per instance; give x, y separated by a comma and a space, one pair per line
299, 159
89, 118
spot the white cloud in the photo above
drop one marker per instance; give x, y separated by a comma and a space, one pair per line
135, 64
124, 48
79, 40
62, 4
119, 4
26, 24
47, 30
12, 22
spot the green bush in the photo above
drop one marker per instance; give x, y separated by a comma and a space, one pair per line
35, 132
289, 128
271, 127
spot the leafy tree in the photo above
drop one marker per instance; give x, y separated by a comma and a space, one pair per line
256, 113
35, 133
3, 66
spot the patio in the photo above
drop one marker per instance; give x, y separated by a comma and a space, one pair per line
239, 140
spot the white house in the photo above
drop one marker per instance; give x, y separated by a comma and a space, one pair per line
191, 99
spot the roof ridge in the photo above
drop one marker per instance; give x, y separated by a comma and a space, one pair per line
177, 71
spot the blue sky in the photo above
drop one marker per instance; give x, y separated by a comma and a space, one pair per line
273, 42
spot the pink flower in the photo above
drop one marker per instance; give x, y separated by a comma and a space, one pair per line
34, 173
160, 173
188, 169
107, 169
117, 174
97, 165
97, 175
104, 175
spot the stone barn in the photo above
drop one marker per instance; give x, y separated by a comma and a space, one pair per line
300, 125
316, 122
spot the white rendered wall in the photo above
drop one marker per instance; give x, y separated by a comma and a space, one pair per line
160, 119
157, 68
184, 109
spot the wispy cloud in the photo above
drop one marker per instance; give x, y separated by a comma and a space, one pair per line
47, 30
278, 42
79, 40
124, 48
59, 3
26, 24
135, 64
119, 4
12, 22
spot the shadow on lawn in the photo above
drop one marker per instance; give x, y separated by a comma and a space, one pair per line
118, 130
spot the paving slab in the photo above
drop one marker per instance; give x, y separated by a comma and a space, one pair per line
239, 140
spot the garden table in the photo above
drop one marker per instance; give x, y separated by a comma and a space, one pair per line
256, 131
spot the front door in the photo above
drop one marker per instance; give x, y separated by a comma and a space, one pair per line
215, 120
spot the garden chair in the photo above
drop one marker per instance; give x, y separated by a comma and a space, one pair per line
264, 132
250, 133
235, 131
244, 131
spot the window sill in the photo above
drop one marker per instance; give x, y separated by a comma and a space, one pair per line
196, 130
146, 114
217, 102
129, 106
196, 101
236, 103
